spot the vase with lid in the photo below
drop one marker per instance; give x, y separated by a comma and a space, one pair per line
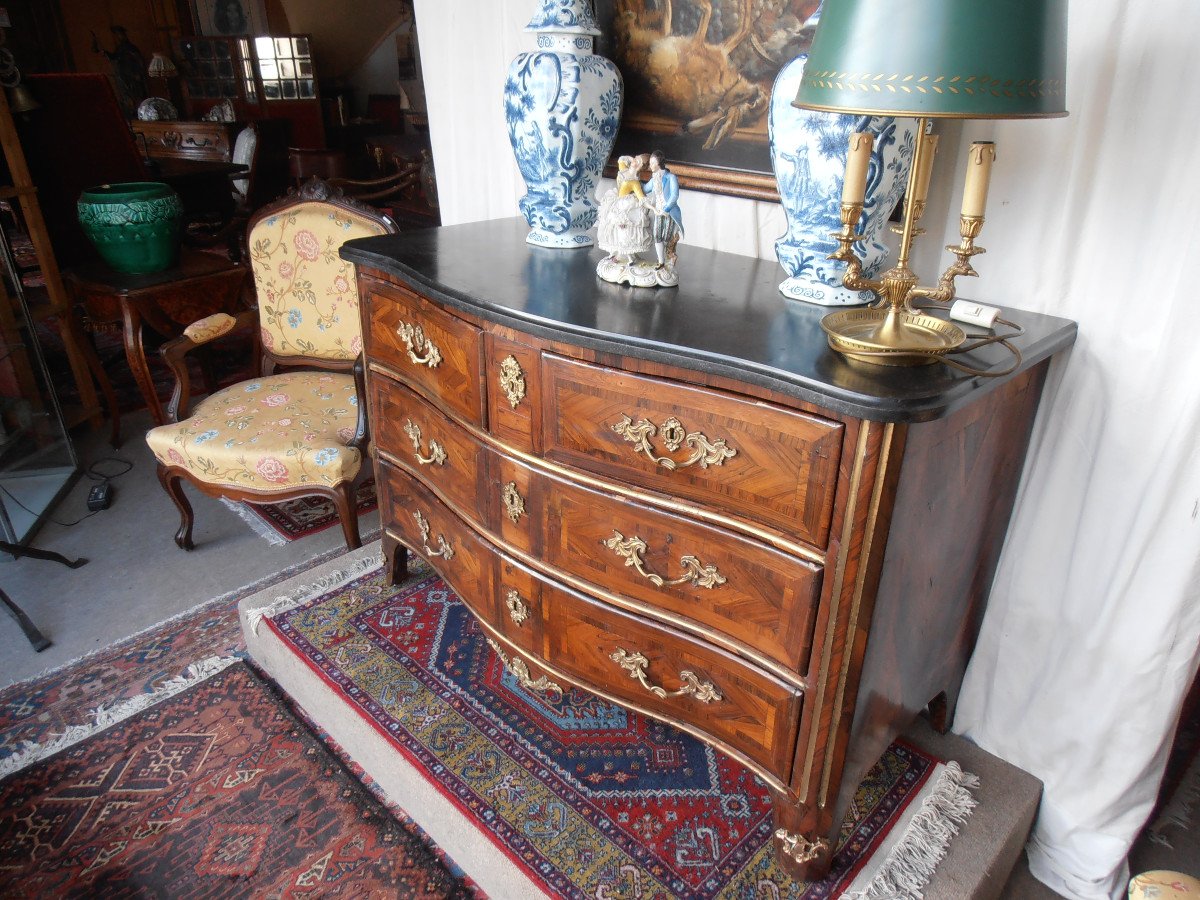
808, 154
562, 104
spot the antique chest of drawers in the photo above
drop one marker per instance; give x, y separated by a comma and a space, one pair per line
683, 501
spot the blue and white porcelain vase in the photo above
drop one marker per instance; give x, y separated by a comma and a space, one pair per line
563, 105
808, 153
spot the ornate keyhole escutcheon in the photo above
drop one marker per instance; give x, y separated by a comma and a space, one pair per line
514, 503
512, 380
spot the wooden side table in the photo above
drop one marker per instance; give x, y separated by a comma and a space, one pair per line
199, 285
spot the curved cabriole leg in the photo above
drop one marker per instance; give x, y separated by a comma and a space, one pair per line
173, 485
395, 559
801, 842
345, 499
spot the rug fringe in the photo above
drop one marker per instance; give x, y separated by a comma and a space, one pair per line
1180, 810
105, 717
911, 863
337, 578
259, 527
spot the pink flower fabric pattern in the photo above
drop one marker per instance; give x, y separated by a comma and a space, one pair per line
271, 469
293, 431
308, 297
307, 246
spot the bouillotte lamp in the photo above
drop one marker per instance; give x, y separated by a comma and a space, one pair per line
959, 59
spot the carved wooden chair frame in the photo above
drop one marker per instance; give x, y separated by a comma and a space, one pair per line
343, 495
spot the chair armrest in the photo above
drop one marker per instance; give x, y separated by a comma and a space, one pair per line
362, 431
195, 335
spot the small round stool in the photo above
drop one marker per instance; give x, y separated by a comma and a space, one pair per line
1163, 885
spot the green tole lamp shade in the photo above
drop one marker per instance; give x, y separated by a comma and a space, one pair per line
972, 59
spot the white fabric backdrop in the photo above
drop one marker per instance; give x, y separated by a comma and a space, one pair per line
1092, 633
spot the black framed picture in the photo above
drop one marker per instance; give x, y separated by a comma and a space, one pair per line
698, 77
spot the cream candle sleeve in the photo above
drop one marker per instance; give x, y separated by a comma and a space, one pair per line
979, 175
854, 190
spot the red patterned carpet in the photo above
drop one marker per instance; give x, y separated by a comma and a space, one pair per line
294, 519
590, 799
216, 791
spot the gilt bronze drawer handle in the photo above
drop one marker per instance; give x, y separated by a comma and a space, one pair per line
514, 503
437, 453
512, 380
694, 571
517, 610
445, 550
635, 664
705, 453
414, 338
521, 672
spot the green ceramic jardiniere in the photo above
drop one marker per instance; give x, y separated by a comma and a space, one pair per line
134, 225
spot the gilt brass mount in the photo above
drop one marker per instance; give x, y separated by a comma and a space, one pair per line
705, 452
518, 610
437, 453
636, 664
512, 380
521, 672
415, 340
514, 503
798, 847
631, 550
444, 549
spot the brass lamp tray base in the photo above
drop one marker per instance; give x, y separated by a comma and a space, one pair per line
922, 339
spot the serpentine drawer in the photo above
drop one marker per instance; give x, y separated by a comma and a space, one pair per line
732, 585
598, 647
757, 460
440, 355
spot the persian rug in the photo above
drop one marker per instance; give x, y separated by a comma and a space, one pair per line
217, 790
39, 714
587, 798
281, 523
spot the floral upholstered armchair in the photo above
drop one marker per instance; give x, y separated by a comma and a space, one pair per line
302, 432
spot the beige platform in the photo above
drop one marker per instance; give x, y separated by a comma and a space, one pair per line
977, 864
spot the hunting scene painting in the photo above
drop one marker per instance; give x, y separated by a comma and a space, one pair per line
698, 77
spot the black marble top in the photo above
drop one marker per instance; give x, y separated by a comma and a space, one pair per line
726, 316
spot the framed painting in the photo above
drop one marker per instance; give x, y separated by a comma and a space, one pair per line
698, 76
230, 17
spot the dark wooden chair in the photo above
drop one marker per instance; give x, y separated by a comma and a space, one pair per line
293, 434
307, 162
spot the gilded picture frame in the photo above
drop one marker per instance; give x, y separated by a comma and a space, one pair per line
702, 98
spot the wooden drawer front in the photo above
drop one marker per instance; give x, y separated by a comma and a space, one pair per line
440, 452
517, 600
756, 460
754, 713
187, 140
440, 355
429, 529
513, 398
753, 593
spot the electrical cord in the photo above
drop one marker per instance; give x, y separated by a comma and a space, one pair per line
91, 472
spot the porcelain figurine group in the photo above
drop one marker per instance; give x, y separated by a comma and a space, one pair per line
639, 217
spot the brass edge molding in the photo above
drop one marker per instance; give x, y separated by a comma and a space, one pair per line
835, 592
885, 452
713, 741
806, 552
742, 651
